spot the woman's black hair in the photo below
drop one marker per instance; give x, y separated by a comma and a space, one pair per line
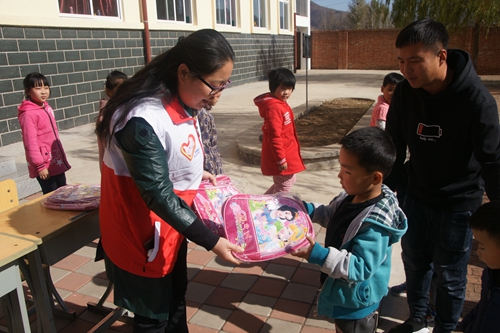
112, 79
203, 52
34, 80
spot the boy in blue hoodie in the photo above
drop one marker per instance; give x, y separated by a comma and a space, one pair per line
361, 224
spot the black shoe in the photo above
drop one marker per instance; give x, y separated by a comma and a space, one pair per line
411, 326
260, 138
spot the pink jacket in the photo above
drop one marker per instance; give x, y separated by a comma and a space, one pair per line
42, 145
379, 111
280, 144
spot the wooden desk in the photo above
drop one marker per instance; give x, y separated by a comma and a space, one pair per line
57, 234
11, 249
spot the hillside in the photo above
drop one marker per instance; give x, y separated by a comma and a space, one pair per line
323, 18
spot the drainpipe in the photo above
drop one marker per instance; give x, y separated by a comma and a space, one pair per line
295, 44
147, 41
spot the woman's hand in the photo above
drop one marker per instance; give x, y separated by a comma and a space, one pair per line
44, 174
305, 252
223, 249
208, 176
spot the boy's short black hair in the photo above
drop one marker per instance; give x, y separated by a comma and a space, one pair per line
373, 147
281, 77
392, 78
430, 33
486, 218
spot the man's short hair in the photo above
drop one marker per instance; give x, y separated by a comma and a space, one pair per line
281, 77
486, 218
430, 33
392, 78
373, 147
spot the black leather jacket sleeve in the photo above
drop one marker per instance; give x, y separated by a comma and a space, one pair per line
145, 158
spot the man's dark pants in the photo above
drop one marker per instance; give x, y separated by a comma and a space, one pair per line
441, 238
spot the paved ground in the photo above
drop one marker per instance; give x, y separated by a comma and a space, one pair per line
275, 296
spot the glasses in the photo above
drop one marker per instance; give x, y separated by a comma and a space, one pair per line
214, 90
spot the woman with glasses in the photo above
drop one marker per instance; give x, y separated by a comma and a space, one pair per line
152, 167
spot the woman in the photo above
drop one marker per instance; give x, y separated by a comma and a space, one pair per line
153, 165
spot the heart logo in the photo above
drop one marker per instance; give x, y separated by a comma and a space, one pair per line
187, 149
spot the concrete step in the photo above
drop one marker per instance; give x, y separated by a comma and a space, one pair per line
7, 165
26, 186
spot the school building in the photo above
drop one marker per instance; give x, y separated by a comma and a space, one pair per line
76, 43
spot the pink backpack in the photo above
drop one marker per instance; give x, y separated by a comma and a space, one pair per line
266, 226
74, 197
208, 202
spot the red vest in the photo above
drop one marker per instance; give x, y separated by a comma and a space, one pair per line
126, 222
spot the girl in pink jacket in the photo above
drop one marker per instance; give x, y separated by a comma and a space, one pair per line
44, 152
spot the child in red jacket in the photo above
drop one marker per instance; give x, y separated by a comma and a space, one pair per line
280, 155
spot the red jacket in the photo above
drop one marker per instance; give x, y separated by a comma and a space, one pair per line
42, 145
280, 144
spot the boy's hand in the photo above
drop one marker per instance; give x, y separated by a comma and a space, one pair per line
284, 166
305, 252
44, 174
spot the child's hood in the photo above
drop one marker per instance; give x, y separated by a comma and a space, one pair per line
264, 101
389, 215
28, 105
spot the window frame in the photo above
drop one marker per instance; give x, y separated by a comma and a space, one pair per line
232, 13
262, 5
187, 19
92, 15
284, 8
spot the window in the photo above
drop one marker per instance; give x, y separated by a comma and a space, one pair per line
259, 13
174, 10
226, 12
108, 8
284, 14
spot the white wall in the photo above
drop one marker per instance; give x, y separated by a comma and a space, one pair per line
45, 13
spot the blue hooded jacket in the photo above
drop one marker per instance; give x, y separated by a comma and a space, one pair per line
358, 272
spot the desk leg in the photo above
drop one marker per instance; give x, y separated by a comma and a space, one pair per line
41, 294
65, 312
13, 301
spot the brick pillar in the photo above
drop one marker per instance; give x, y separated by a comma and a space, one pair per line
343, 49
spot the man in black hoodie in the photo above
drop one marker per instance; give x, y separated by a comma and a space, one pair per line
447, 119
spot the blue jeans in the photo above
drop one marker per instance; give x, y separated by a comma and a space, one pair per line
443, 239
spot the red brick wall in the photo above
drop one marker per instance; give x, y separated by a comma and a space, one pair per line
374, 49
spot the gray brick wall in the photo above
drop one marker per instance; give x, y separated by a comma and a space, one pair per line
77, 61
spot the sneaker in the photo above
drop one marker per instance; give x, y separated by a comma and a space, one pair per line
430, 314
411, 326
399, 290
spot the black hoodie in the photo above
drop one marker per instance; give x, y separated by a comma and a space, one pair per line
453, 138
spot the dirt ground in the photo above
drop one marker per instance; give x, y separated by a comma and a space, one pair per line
330, 121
